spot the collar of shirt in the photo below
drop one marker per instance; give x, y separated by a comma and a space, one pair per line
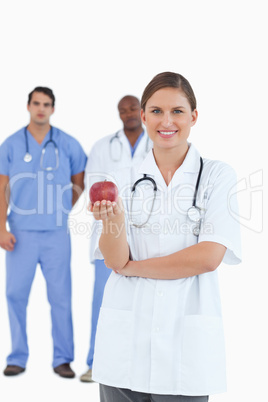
33, 140
134, 147
191, 164
122, 137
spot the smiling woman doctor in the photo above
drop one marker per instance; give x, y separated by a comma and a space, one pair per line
160, 335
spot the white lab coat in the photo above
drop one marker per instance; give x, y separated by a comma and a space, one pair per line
107, 160
166, 336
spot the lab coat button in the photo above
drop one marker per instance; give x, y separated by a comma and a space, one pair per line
160, 293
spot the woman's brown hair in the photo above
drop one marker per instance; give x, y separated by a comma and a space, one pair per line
169, 80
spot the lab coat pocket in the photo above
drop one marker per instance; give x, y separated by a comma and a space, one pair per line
203, 355
113, 346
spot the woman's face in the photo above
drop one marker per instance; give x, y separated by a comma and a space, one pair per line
168, 118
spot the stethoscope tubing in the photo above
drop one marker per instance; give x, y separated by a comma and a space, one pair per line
192, 210
28, 156
116, 137
145, 177
198, 181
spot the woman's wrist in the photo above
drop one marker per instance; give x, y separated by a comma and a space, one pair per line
114, 225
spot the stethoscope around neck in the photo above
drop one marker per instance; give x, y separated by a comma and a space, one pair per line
28, 157
115, 138
193, 213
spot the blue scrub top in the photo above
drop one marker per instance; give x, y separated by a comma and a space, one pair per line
40, 199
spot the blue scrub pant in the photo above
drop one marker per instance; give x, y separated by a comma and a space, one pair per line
52, 250
102, 273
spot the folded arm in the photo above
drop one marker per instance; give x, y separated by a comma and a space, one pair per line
194, 260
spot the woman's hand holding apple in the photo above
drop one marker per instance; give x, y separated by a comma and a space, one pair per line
103, 210
104, 201
107, 207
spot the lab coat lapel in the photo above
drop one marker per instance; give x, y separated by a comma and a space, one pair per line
150, 168
186, 172
142, 146
125, 143
189, 168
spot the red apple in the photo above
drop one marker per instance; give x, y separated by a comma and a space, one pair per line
103, 190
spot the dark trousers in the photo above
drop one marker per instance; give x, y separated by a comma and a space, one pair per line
111, 394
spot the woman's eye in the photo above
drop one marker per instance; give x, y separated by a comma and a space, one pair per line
156, 111
177, 111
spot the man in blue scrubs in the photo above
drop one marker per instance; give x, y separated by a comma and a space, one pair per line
41, 178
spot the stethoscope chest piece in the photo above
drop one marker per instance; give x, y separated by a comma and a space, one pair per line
194, 214
196, 230
27, 157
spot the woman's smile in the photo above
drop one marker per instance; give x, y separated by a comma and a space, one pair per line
167, 133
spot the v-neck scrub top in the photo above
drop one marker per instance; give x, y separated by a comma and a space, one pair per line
40, 199
166, 336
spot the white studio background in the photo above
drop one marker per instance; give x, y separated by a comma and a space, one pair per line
93, 53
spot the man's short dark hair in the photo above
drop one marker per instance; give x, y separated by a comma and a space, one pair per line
44, 90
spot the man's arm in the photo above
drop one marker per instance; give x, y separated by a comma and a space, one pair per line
7, 239
78, 186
